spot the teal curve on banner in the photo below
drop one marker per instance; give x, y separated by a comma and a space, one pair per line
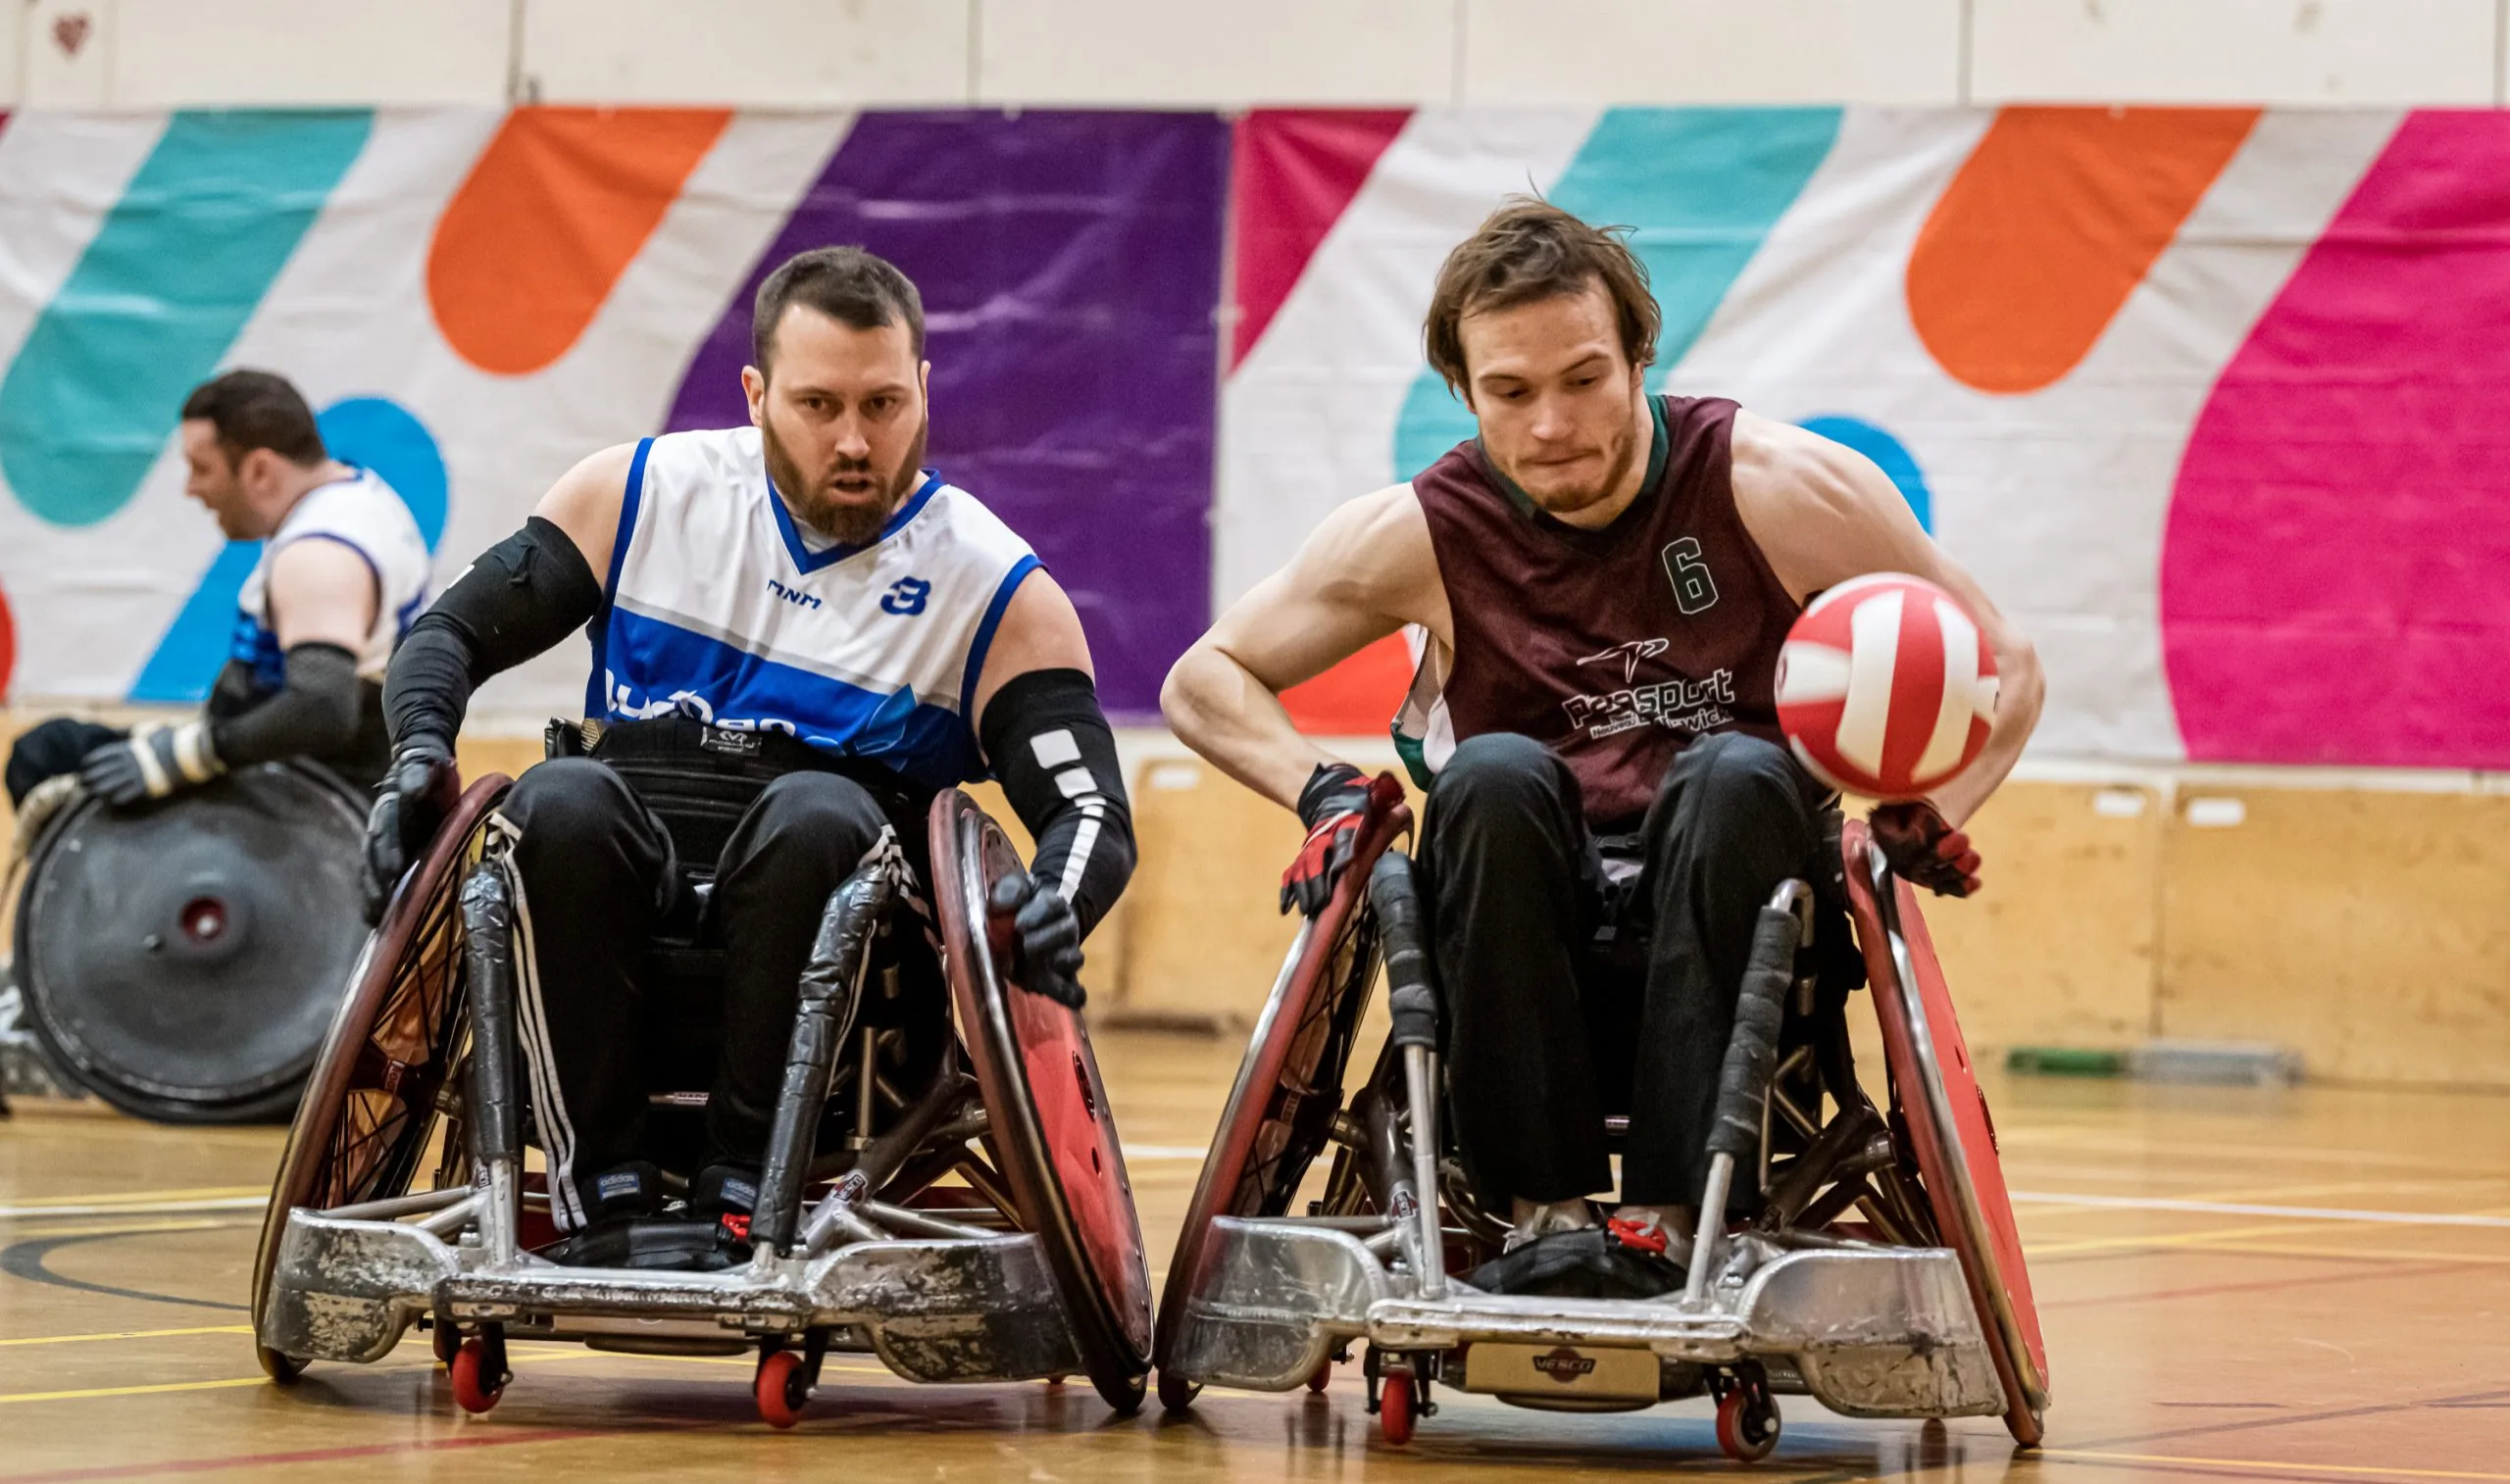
1889, 455
369, 431
1703, 186
158, 296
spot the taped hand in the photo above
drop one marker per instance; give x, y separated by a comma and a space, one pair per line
1045, 938
410, 803
154, 762
1925, 849
1333, 806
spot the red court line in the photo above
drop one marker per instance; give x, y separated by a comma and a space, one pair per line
2306, 1280
306, 1456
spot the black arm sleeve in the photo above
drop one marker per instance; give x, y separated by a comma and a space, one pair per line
1048, 742
314, 715
524, 595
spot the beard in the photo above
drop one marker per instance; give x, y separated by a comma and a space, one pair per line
848, 520
1564, 500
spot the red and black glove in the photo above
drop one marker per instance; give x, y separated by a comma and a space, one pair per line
1333, 807
1924, 850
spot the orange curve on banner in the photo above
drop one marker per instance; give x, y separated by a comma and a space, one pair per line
557, 207
2049, 225
1356, 697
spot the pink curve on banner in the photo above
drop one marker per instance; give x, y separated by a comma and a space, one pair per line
554, 210
1291, 173
2049, 224
2332, 574
8, 646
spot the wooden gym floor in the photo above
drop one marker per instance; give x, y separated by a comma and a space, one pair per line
2310, 1284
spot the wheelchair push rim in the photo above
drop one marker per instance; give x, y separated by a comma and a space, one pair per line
1303, 1000
161, 969
1949, 1125
391, 1048
1048, 1109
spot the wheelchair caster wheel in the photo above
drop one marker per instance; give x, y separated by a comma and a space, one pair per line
447, 1343
1746, 1425
1175, 1393
782, 1390
1394, 1408
1323, 1376
475, 1389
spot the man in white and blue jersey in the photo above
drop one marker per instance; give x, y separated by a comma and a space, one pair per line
342, 573
799, 637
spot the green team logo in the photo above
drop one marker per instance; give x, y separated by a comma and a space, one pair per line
1695, 591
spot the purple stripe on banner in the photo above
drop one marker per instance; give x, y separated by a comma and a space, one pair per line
1070, 266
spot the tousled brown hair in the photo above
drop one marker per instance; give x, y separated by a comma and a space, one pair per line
257, 409
1528, 250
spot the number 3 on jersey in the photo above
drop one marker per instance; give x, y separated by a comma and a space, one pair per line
1693, 590
907, 594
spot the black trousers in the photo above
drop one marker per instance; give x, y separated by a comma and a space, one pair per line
49, 749
597, 869
1568, 996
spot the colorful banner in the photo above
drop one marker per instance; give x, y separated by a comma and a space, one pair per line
474, 301
2209, 399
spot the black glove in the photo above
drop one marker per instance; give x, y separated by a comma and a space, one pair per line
1045, 938
1924, 850
154, 762
410, 803
1333, 806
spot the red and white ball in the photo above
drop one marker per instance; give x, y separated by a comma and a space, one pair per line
1885, 686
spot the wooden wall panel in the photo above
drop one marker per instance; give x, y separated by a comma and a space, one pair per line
2369, 931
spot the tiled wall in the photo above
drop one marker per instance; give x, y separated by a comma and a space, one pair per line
161, 53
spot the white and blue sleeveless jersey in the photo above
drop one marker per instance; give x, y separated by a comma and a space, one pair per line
716, 607
367, 517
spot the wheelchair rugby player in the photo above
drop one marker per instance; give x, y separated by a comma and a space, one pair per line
1604, 580
159, 947
749, 864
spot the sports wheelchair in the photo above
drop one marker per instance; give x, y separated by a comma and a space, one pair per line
1883, 1275
181, 958
963, 1215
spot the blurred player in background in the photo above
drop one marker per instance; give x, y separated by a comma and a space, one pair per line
342, 573
1605, 579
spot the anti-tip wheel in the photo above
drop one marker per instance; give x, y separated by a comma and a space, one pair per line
1175, 1392
1323, 1376
475, 1391
278, 1368
1747, 1428
1394, 1408
781, 1390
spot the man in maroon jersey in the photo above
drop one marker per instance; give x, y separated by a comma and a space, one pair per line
1604, 580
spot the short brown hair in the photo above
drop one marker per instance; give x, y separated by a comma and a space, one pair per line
1528, 250
846, 283
255, 408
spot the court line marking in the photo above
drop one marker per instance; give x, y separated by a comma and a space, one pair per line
131, 1391
259, 1460
126, 1197
2339, 1471
133, 1334
134, 1208
2245, 1208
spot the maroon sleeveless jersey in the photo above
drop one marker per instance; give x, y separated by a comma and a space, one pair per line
1611, 647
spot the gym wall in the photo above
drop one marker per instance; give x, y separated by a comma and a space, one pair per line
1132, 53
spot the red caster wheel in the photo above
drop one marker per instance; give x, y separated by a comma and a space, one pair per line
475, 1388
782, 1389
1323, 1376
1394, 1408
1747, 1425
1175, 1393
447, 1342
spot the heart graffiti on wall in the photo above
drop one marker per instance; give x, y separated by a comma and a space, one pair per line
70, 31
